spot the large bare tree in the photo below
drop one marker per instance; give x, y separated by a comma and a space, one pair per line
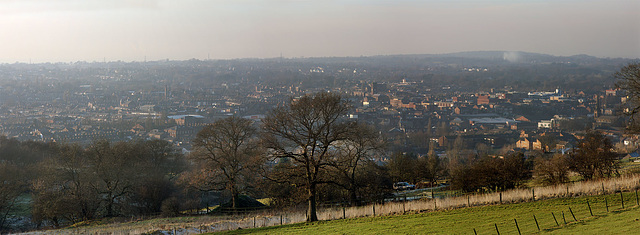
228, 156
305, 133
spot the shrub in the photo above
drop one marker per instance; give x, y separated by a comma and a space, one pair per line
170, 207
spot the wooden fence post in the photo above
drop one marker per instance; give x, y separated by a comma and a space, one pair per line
280, 219
621, 199
254, 221
590, 212
344, 213
602, 188
563, 219
554, 218
606, 203
403, 205
537, 225
474, 231
374, 209
500, 197
497, 228
574, 216
468, 202
533, 194
517, 226
637, 203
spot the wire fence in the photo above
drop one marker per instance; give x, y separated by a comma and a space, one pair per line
547, 220
525, 223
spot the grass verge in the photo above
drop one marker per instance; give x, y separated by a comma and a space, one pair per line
485, 219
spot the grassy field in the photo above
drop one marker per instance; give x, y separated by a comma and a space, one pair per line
485, 219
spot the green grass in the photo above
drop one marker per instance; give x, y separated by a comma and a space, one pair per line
619, 222
630, 167
484, 219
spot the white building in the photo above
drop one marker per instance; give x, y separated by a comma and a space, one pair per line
548, 124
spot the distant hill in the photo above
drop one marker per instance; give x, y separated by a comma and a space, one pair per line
511, 57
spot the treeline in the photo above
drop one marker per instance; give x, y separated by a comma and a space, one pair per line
69, 183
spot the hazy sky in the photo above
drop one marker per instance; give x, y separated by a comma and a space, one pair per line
93, 30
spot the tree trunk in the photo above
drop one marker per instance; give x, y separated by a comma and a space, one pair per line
109, 208
353, 197
85, 212
311, 211
234, 199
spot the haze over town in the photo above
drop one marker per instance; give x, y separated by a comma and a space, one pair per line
93, 30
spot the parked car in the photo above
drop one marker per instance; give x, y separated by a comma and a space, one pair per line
403, 186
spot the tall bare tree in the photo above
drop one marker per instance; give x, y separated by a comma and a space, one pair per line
115, 168
436, 168
228, 154
305, 131
362, 143
629, 80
